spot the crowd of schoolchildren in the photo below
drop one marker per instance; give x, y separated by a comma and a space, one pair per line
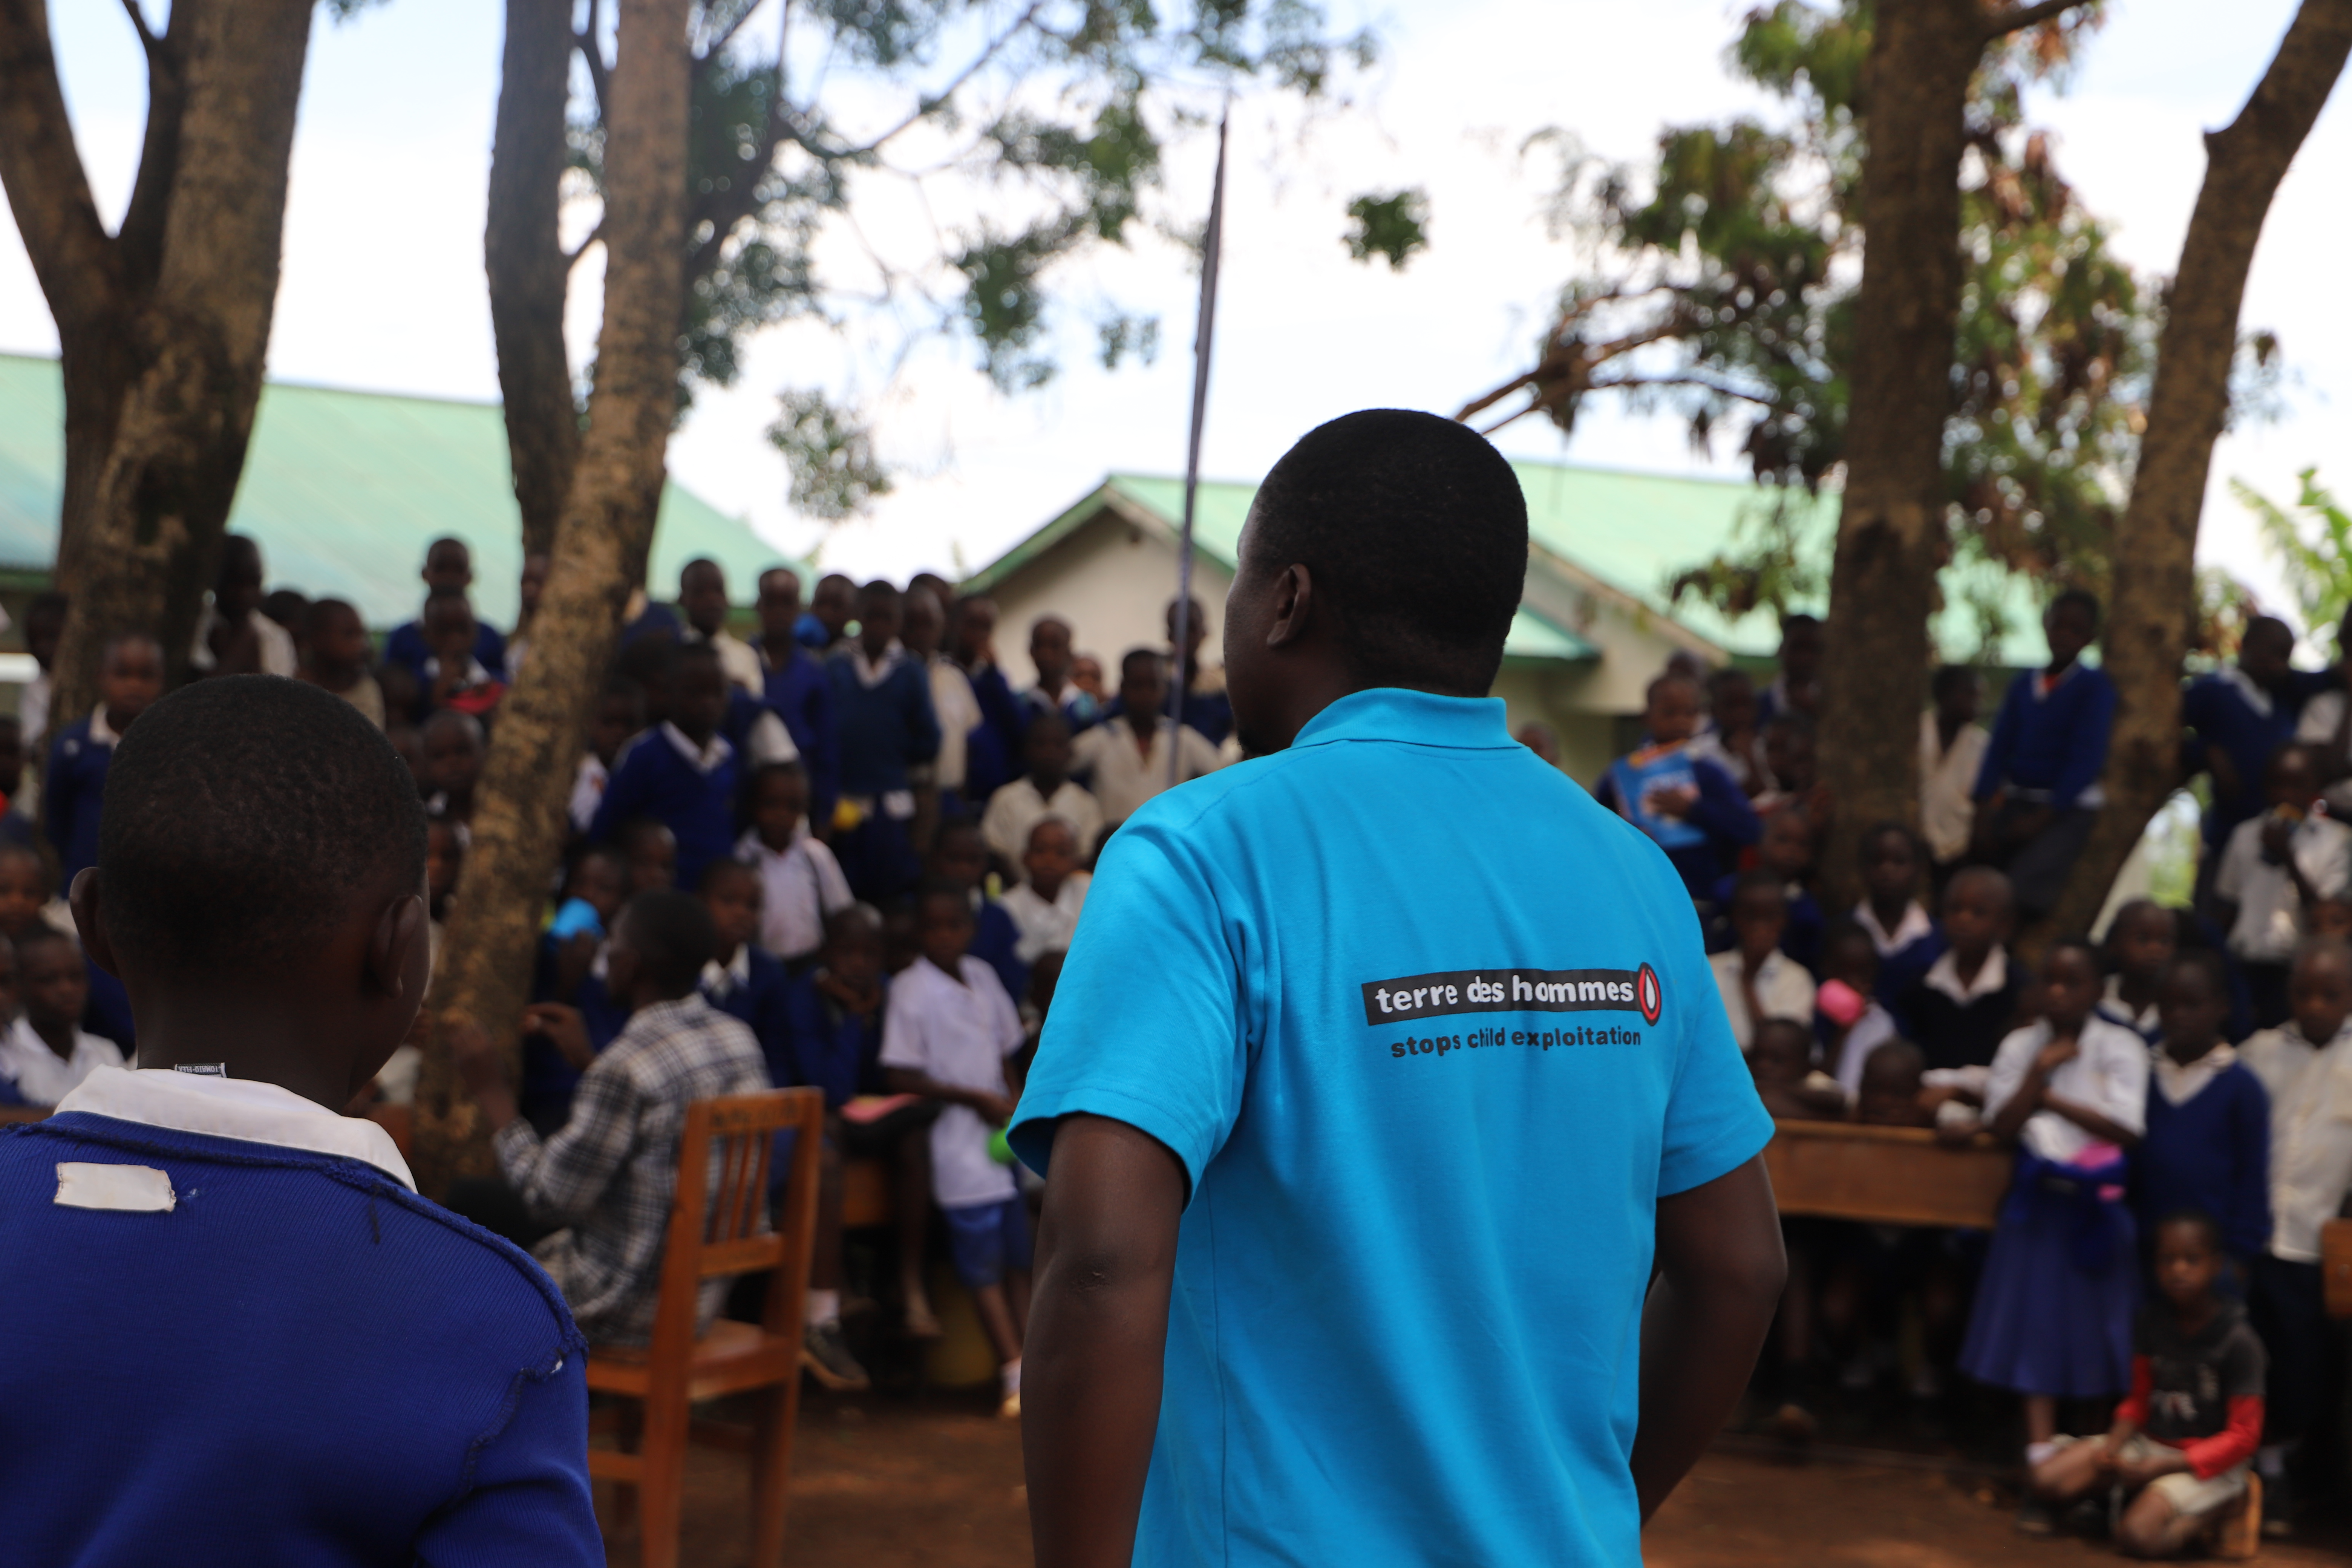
2179, 1097
842, 853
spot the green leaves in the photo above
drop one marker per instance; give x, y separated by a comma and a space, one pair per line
1394, 227
831, 454
2314, 550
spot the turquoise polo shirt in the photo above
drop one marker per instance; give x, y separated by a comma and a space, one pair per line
1431, 1032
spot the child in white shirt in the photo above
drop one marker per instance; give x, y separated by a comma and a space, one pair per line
1757, 979
2273, 868
801, 884
1045, 909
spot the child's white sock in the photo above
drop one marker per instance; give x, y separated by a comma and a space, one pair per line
2037, 1452
1010, 1372
823, 1307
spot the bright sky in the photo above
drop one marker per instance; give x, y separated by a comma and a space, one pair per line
382, 288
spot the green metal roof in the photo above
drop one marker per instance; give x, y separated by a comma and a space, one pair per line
1636, 532
344, 490
1219, 512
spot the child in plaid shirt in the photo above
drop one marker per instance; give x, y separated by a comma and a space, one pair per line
607, 1175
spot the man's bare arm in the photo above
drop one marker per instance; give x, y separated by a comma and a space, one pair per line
1097, 1330
1720, 1268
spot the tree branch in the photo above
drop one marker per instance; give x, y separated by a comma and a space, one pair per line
572, 257
41, 169
930, 102
2024, 16
712, 46
599, 76
147, 40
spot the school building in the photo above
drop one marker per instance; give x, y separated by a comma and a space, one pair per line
1596, 621
344, 490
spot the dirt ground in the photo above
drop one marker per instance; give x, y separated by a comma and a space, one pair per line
882, 1482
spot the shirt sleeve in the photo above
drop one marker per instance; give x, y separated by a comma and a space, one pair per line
2229, 877
2009, 1065
2134, 1407
622, 788
2233, 1445
563, 1178
1147, 1025
2086, 749
2320, 716
2121, 1078
1715, 1122
2332, 871
526, 1498
1994, 771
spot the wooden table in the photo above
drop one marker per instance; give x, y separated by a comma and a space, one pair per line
1891, 1175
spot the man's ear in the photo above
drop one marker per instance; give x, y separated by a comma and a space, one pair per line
400, 952
84, 899
1292, 600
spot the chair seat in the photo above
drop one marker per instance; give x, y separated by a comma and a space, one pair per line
729, 1359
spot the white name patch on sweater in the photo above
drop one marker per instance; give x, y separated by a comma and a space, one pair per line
138, 1189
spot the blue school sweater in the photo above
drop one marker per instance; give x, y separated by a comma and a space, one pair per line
2213, 1154
828, 1046
406, 646
1954, 1034
885, 728
993, 749
2227, 711
653, 777
2054, 742
73, 794
1721, 814
994, 938
801, 692
761, 1001
302, 1363
544, 1097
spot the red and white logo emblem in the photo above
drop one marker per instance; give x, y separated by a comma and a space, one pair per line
1647, 995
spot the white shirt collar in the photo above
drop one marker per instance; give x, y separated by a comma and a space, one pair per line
2258, 697
873, 672
2180, 1083
101, 733
2120, 1011
1914, 925
247, 1110
723, 979
1945, 976
752, 845
704, 758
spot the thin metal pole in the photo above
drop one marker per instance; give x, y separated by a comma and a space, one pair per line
1205, 334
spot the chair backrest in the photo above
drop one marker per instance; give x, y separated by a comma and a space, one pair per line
718, 1219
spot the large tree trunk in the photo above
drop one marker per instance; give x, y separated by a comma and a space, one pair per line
522, 255
163, 328
517, 827
1891, 539
2155, 544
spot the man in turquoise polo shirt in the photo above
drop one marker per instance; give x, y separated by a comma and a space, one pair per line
1383, 1069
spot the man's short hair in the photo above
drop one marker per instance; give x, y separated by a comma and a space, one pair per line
243, 814
674, 936
1415, 533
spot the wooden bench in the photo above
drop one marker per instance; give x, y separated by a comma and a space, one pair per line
2336, 1265
1888, 1175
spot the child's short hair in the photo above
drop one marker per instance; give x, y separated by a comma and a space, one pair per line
2083, 597
858, 920
697, 653
935, 888
116, 641
1057, 821
644, 662
720, 871
1133, 657
243, 813
1753, 884
1660, 682
2312, 950
1892, 828
1986, 876
41, 854
2196, 1219
453, 719
44, 935
1790, 721
2202, 960
674, 936
610, 855
2072, 942
323, 611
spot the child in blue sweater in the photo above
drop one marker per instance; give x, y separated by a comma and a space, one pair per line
682, 773
130, 677
2208, 1142
882, 701
1688, 803
2038, 792
743, 982
416, 1383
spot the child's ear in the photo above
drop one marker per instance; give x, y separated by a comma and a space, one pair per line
84, 899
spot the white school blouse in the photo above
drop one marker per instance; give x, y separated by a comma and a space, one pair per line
2108, 1074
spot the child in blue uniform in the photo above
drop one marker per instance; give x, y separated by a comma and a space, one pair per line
1686, 802
683, 773
2209, 1139
416, 1383
130, 676
882, 701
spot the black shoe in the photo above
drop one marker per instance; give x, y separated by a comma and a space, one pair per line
828, 1360
2033, 1519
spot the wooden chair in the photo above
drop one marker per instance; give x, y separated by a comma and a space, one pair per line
718, 1225
2336, 1265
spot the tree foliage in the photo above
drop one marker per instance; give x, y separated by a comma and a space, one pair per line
1719, 283
2313, 548
1052, 117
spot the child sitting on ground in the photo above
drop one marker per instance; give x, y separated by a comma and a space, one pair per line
454, 752
2273, 868
949, 1029
1961, 1009
46, 1053
2142, 941
1907, 940
419, 1388
2208, 1142
801, 884
130, 677
2052, 1314
2182, 1437
1688, 805
682, 774
335, 658
2306, 1066
608, 1175
1757, 979
1044, 908
1781, 1061
1046, 790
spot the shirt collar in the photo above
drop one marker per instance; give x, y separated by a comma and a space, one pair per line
101, 733
247, 1110
2121, 1011
725, 979
752, 845
1418, 718
1914, 925
2257, 696
1945, 976
873, 672
2179, 1082
704, 758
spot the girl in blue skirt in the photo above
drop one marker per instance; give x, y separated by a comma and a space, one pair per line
2053, 1311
